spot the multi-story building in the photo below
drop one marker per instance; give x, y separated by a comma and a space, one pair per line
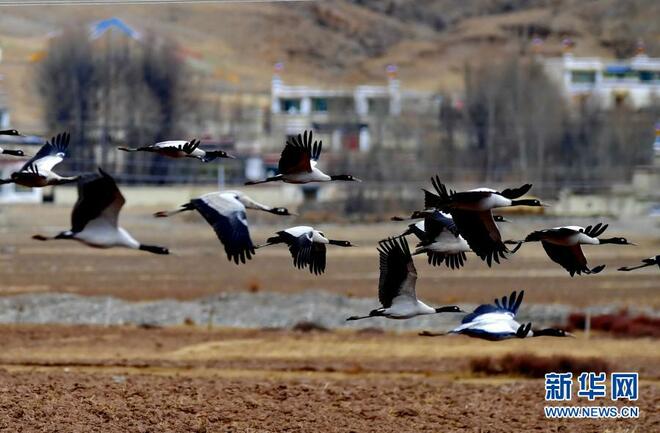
608, 83
347, 118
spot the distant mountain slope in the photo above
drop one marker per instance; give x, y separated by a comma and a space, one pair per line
341, 42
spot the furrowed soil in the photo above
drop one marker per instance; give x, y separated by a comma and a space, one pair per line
120, 379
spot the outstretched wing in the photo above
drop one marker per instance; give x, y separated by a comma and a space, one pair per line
570, 258
306, 252
555, 233
437, 222
596, 230
317, 258
229, 222
481, 233
397, 271
190, 146
507, 305
50, 154
512, 193
440, 198
453, 261
299, 153
98, 196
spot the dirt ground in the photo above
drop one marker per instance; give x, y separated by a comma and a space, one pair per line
191, 379
198, 266
188, 379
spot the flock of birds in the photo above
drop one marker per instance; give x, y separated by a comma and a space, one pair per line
451, 225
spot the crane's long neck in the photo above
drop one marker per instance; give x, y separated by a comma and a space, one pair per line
251, 204
61, 180
523, 202
153, 249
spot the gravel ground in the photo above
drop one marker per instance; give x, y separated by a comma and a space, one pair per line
245, 310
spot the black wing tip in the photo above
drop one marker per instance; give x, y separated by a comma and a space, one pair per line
386, 246
240, 256
597, 230
511, 302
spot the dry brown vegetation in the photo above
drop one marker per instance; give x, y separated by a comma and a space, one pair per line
622, 324
528, 365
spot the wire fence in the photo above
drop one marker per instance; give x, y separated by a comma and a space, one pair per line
398, 174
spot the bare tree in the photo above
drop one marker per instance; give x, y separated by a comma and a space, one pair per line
114, 89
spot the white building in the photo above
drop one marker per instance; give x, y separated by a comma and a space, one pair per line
609, 83
348, 117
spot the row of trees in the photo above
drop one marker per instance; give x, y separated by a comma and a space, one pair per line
516, 119
512, 123
113, 90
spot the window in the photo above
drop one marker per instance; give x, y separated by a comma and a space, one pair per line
583, 77
319, 105
291, 106
646, 76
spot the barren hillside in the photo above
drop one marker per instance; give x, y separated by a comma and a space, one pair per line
339, 42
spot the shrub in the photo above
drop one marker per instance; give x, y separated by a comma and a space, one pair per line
529, 365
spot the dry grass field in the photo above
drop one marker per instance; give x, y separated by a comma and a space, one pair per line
78, 378
198, 266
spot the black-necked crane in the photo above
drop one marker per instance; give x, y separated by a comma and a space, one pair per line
396, 286
497, 322
651, 261
11, 132
472, 213
94, 219
180, 149
439, 238
298, 163
38, 171
307, 246
225, 212
478, 199
562, 244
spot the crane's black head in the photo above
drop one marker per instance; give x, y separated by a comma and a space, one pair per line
346, 177
449, 309
617, 241
9, 132
342, 243
552, 332
223, 154
155, 249
14, 152
280, 211
527, 202
213, 154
